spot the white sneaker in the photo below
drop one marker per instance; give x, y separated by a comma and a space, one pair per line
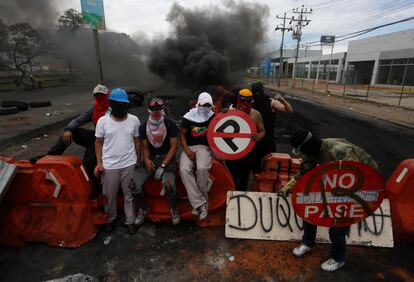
203, 212
142, 214
301, 250
195, 212
332, 265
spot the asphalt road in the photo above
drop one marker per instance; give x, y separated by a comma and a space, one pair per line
389, 144
187, 252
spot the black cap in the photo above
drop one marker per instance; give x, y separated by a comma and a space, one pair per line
257, 88
303, 140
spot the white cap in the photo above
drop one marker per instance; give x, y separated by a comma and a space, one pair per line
102, 89
204, 98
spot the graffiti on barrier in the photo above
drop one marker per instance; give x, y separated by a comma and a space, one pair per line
269, 216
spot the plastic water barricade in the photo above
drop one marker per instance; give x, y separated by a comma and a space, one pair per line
278, 169
400, 191
50, 201
222, 182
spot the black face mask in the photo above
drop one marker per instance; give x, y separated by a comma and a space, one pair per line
119, 109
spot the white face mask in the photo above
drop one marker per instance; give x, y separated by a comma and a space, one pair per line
204, 111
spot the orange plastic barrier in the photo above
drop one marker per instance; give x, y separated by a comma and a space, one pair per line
222, 182
278, 169
400, 191
50, 202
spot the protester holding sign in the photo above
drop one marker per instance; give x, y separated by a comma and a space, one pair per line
196, 152
240, 169
315, 152
159, 140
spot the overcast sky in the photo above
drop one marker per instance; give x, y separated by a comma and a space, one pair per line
334, 17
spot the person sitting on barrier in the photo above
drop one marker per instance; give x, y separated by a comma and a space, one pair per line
266, 106
159, 139
196, 151
315, 151
82, 136
240, 169
117, 153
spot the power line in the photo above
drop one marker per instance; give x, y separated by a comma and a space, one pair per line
359, 33
371, 16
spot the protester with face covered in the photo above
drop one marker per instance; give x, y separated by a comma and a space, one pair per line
240, 169
117, 153
267, 107
196, 153
315, 151
159, 139
82, 136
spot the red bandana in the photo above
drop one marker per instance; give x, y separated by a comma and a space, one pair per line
100, 107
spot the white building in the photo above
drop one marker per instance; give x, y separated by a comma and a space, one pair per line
386, 59
383, 59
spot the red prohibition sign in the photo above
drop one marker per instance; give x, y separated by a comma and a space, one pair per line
229, 134
338, 193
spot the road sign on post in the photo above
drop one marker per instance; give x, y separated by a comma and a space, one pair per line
93, 13
229, 134
338, 193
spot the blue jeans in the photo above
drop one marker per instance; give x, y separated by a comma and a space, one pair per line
336, 234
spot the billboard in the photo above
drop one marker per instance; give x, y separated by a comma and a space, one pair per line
93, 13
327, 39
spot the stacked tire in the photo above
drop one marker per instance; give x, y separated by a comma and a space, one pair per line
9, 107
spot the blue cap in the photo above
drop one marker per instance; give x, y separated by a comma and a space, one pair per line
118, 95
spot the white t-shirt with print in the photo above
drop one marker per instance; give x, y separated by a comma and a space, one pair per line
118, 147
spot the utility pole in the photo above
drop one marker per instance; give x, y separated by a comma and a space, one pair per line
98, 54
283, 29
300, 23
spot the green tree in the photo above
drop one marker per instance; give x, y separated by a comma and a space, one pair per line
70, 20
24, 46
4, 34
69, 23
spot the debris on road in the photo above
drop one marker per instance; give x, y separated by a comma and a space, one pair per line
55, 113
229, 256
107, 240
79, 277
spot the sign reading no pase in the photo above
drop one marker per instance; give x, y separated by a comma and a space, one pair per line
229, 134
338, 193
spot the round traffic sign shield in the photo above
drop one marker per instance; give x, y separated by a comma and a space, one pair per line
229, 134
338, 193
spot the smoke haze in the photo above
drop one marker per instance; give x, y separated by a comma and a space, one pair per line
209, 44
39, 13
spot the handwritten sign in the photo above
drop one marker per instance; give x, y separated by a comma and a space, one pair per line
268, 216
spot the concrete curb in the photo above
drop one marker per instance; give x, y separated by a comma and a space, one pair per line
24, 136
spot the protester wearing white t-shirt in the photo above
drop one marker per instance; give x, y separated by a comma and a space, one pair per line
118, 149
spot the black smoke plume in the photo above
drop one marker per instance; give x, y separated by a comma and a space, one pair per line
39, 13
208, 45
